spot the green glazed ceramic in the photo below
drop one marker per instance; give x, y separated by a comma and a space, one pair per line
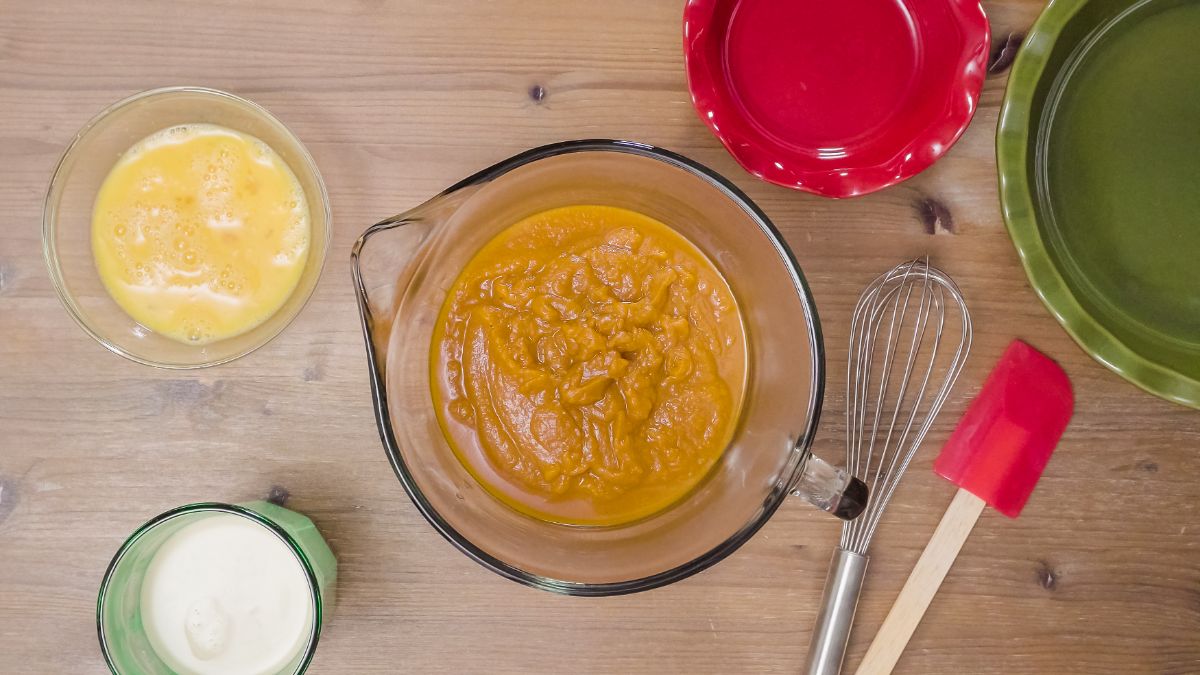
1098, 150
123, 640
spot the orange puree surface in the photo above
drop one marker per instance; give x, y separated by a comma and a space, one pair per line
588, 365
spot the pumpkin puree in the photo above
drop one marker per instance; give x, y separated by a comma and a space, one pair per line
588, 365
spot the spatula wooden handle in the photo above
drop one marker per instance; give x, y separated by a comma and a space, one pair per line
922, 584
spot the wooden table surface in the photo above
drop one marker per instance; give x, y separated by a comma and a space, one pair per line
397, 100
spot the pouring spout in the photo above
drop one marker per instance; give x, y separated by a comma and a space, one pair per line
831, 489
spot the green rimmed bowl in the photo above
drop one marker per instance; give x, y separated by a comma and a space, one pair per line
1099, 164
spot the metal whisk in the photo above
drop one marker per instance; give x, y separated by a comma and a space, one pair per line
909, 337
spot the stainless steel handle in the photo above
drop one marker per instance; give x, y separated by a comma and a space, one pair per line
828, 645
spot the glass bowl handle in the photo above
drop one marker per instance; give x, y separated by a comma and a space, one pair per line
830, 488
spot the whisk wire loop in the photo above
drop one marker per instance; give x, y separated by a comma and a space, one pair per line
899, 375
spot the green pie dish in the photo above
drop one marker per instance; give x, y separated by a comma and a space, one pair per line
1098, 152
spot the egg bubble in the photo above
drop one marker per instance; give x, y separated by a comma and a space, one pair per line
261, 152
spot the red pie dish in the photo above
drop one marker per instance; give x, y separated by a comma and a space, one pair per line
835, 97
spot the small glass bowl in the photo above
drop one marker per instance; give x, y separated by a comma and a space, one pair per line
67, 219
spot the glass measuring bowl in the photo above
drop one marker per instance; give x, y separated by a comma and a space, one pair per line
402, 269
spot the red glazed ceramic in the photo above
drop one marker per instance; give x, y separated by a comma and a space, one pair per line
836, 97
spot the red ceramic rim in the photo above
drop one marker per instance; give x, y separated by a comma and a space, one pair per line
838, 98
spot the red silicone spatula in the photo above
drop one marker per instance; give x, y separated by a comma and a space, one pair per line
995, 456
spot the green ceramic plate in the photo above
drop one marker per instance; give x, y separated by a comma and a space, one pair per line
1098, 150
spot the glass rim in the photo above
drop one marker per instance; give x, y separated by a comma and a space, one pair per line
50, 220
800, 448
215, 507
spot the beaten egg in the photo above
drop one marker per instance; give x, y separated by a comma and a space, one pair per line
200, 233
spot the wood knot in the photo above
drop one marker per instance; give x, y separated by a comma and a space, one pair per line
199, 401
537, 93
278, 495
1047, 576
6, 276
1004, 52
8, 498
1146, 465
934, 216
312, 373
191, 392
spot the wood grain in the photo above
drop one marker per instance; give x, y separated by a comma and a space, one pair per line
922, 584
396, 100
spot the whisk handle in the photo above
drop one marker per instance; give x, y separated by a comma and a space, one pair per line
840, 599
